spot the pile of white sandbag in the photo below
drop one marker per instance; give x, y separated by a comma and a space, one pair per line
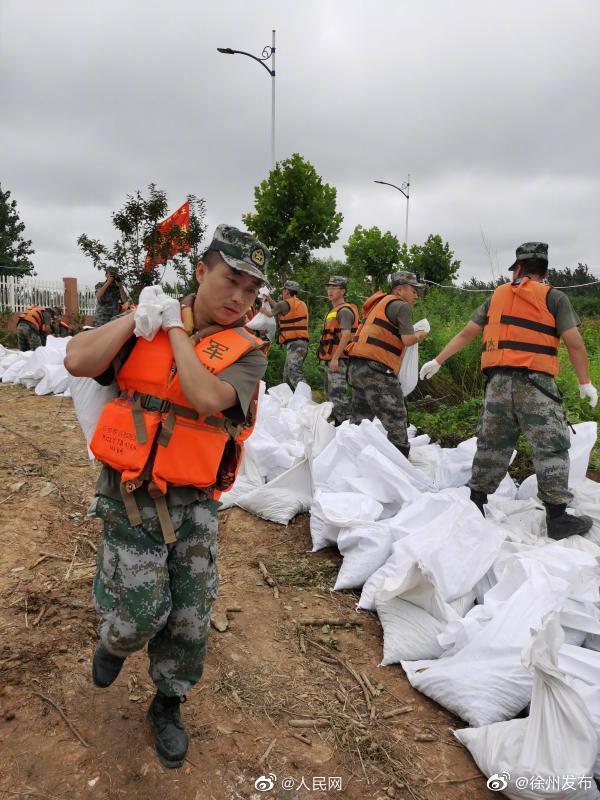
485, 615
41, 369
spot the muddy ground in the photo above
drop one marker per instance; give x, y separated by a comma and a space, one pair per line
264, 670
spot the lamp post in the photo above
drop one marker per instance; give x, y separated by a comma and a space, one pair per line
405, 189
267, 53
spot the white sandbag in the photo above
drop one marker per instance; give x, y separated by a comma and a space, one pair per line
409, 369
323, 533
54, 380
364, 550
348, 509
260, 322
533, 757
447, 534
525, 520
413, 619
586, 500
302, 396
382, 479
282, 393
503, 686
283, 497
89, 398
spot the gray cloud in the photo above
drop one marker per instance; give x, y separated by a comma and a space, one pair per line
492, 108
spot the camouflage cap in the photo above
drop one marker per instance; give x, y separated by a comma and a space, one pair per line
410, 278
338, 280
241, 251
530, 250
294, 286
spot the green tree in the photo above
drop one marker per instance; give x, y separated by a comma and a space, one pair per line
15, 251
433, 260
136, 224
372, 255
295, 212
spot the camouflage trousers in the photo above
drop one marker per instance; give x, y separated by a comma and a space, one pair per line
161, 595
336, 391
376, 394
513, 404
295, 353
27, 337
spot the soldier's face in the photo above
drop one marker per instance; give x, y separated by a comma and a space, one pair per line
406, 292
225, 294
335, 295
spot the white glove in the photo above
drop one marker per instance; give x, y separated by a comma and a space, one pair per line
148, 314
429, 369
171, 314
589, 390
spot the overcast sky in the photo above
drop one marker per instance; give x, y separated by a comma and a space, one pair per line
492, 107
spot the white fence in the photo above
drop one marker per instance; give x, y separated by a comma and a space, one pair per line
17, 294
87, 300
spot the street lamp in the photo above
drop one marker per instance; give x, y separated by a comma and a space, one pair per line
405, 189
267, 53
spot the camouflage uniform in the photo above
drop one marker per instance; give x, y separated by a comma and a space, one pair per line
378, 394
27, 337
150, 592
335, 385
107, 307
295, 354
514, 404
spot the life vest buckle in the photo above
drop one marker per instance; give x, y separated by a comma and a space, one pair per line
152, 403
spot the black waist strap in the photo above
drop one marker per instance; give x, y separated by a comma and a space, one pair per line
529, 324
528, 347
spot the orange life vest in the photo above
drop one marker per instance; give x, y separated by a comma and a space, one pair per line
377, 338
151, 431
520, 331
294, 324
330, 335
34, 315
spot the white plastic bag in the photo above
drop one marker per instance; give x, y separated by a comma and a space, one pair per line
89, 398
409, 369
260, 322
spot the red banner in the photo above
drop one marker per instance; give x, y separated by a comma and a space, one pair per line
179, 218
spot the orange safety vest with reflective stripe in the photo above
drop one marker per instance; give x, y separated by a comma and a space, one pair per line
151, 431
520, 331
294, 324
377, 338
35, 317
330, 335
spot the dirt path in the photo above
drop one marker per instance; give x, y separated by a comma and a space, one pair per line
260, 673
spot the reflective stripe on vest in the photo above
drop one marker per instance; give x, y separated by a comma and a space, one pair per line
331, 332
294, 324
377, 338
151, 431
519, 330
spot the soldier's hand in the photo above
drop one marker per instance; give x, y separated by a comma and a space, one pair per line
421, 335
171, 314
429, 369
334, 365
589, 390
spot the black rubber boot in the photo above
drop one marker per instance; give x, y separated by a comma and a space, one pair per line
105, 666
170, 737
561, 525
405, 451
480, 499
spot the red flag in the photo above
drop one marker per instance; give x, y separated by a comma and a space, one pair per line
181, 218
